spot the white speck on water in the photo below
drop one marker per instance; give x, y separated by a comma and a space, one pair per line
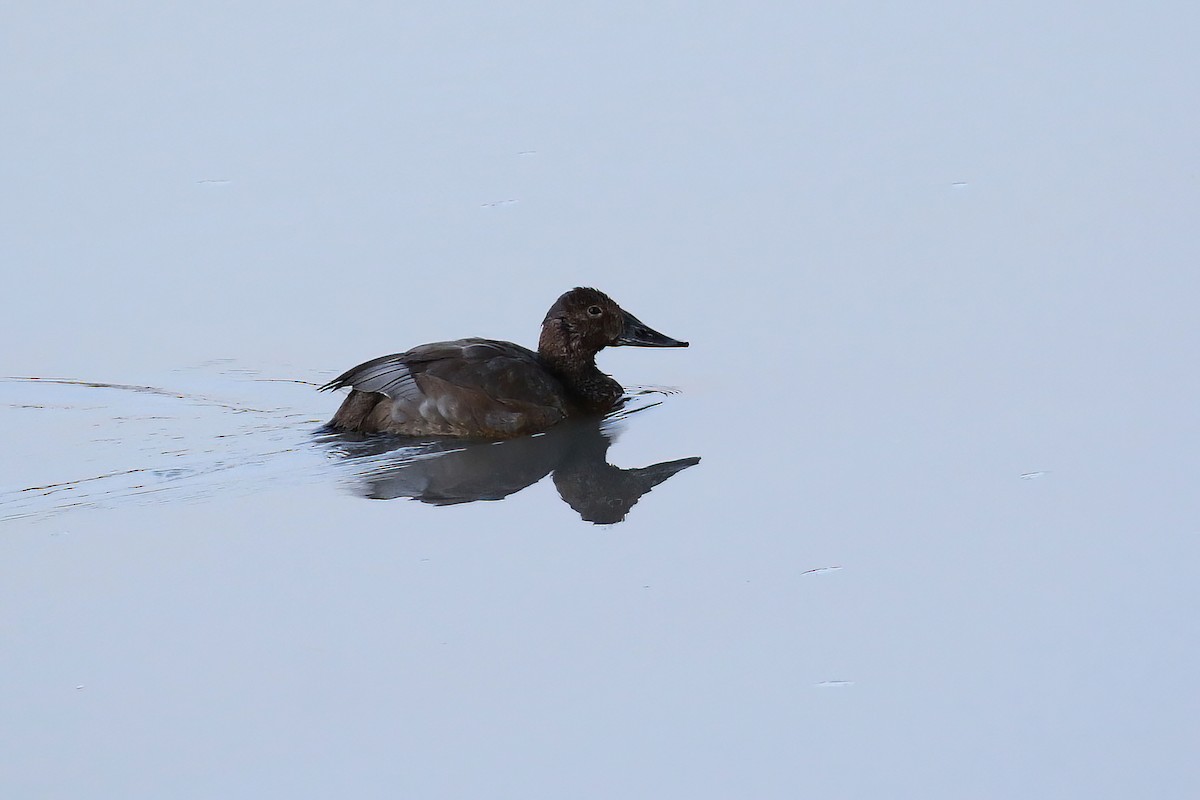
833, 684
1033, 476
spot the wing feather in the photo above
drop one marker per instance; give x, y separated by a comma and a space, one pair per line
388, 375
468, 384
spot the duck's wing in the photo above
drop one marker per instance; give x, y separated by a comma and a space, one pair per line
459, 386
388, 375
501, 369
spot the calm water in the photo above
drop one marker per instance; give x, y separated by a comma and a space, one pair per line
914, 516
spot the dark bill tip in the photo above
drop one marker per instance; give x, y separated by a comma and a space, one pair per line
638, 334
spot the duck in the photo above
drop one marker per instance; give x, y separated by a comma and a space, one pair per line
493, 390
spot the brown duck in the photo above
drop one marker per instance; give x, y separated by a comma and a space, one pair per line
486, 389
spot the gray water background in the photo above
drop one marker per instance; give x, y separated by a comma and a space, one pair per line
938, 266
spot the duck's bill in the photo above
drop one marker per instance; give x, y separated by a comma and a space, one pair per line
638, 334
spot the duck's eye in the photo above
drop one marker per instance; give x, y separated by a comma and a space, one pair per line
595, 311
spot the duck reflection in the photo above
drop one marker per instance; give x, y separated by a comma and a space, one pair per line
448, 472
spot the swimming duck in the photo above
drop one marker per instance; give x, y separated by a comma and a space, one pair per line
485, 389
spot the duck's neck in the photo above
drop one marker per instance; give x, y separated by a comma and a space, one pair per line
594, 390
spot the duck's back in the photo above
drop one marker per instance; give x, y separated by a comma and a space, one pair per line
467, 388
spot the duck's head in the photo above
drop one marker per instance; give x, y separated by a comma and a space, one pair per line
584, 321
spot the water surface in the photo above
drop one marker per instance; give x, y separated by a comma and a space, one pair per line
937, 269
